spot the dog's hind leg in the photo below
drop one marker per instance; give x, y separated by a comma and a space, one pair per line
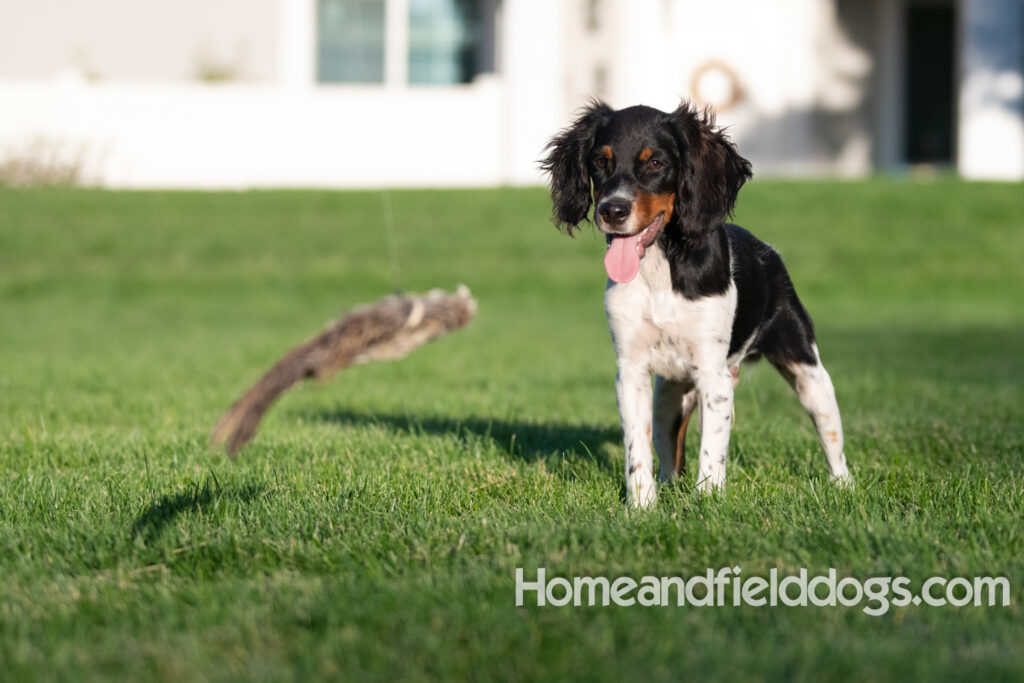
814, 387
673, 406
788, 343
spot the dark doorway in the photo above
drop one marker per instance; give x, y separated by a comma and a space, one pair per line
929, 124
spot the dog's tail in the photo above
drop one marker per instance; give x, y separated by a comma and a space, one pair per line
388, 329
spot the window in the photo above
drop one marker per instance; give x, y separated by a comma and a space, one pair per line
356, 41
443, 41
350, 41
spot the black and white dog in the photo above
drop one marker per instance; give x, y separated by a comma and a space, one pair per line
689, 296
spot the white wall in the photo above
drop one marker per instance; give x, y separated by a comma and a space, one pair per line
294, 132
797, 73
991, 139
111, 40
533, 71
230, 136
803, 77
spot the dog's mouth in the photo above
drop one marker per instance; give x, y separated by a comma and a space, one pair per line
622, 260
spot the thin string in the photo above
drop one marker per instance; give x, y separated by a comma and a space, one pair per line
389, 231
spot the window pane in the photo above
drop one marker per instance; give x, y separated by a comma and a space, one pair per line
443, 41
350, 41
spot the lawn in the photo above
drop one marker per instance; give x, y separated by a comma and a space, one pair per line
373, 527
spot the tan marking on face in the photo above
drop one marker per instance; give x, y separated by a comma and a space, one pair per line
646, 153
606, 152
649, 205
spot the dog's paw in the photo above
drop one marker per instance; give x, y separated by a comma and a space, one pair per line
843, 480
710, 485
642, 494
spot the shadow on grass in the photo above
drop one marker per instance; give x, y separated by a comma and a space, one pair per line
165, 509
527, 441
876, 364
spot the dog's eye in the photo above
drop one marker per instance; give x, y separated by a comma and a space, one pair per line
601, 162
656, 163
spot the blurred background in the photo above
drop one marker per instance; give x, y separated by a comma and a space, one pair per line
372, 529
391, 93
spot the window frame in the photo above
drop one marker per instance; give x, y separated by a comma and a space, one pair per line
396, 52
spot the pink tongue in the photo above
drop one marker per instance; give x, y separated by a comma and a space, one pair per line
622, 260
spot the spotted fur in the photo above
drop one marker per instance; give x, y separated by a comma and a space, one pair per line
707, 294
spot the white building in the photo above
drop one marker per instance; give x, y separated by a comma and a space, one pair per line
365, 93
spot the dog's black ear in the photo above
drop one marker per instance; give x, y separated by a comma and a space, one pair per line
712, 171
566, 164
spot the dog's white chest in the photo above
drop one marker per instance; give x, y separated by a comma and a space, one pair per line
657, 328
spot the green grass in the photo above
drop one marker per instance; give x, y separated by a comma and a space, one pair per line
373, 527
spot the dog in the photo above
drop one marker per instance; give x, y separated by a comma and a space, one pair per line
689, 296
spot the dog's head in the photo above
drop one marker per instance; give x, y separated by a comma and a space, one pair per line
643, 169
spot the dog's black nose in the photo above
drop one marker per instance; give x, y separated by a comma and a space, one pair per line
614, 211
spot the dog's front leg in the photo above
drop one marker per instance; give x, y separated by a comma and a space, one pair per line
715, 389
633, 390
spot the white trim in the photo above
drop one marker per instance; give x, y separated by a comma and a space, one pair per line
396, 43
297, 43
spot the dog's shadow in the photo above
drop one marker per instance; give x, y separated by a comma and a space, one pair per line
527, 441
166, 509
